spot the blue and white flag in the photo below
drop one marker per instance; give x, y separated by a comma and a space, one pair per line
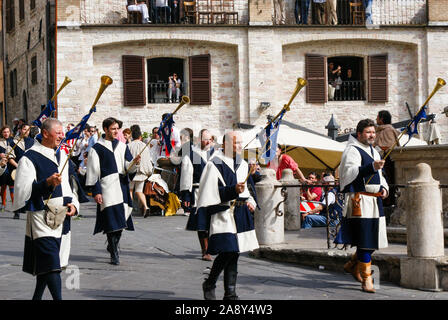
77, 130
412, 127
165, 132
268, 139
45, 114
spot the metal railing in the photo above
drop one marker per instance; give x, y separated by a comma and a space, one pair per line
333, 224
160, 92
350, 91
381, 12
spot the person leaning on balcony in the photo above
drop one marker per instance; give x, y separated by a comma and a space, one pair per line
332, 75
301, 11
174, 87
368, 8
279, 12
139, 5
331, 9
319, 11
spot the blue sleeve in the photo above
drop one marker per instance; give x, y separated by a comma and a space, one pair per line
367, 170
227, 193
96, 189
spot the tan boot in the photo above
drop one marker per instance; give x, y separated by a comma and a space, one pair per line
204, 246
352, 267
366, 275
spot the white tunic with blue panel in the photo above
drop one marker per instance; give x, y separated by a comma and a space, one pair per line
192, 166
369, 230
43, 250
230, 230
108, 161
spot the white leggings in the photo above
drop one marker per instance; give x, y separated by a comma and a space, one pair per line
140, 7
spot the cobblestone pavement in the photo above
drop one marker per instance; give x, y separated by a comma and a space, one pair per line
160, 261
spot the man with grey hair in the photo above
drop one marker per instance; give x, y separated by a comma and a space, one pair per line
41, 185
192, 166
224, 209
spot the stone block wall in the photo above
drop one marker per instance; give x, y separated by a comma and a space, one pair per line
251, 65
438, 11
86, 63
19, 55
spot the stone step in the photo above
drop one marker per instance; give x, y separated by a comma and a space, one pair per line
398, 235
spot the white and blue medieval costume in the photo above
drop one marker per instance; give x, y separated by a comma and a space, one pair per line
192, 165
368, 231
231, 227
106, 167
43, 248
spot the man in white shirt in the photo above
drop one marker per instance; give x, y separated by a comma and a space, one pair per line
138, 5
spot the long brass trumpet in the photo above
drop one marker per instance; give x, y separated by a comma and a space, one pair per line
185, 100
301, 83
105, 82
440, 83
66, 81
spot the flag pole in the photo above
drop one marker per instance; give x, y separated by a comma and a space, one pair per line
105, 82
300, 84
185, 100
440, 83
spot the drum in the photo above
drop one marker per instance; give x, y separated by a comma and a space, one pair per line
13, 174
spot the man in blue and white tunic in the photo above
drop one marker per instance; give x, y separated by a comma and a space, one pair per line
224, 194
193, 163
107, 163
364, 223
39, 176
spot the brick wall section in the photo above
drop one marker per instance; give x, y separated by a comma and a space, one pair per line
19, 57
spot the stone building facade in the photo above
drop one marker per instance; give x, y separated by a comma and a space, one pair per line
254, 61
29, 56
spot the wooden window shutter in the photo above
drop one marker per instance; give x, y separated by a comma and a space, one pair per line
134, 81
378, 82
200, 80
316, 75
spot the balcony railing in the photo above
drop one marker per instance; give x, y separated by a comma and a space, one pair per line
165, 12
350, 91
160, 92
383, 12
353, 12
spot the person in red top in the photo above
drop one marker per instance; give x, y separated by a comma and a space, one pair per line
313, 193
282, 162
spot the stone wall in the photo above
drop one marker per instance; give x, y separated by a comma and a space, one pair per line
19, 57
85, 65
405, 164
265, 63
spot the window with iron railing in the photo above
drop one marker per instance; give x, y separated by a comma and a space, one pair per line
164, 92
341, 78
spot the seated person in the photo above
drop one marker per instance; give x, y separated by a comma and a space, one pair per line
312, 194
317, 217
139, 5
163, 6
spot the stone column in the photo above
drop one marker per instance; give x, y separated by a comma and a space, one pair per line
269, 220
291, 205
425, 240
